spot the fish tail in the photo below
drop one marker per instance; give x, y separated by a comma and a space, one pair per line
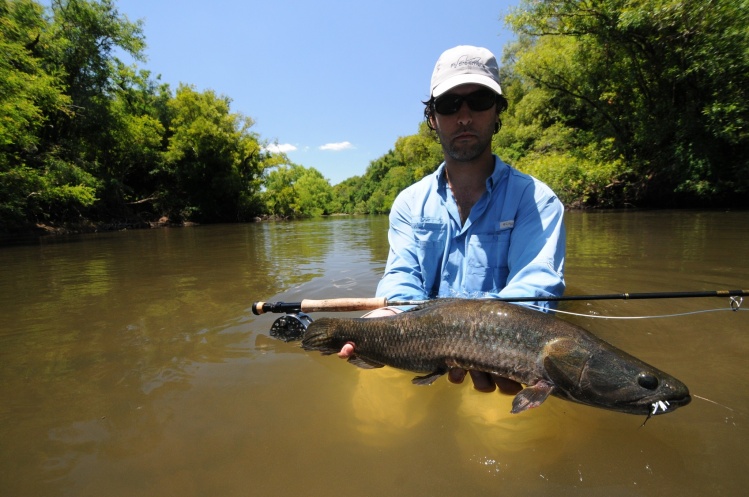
319, 336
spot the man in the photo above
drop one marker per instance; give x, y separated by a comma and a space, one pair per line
476, 227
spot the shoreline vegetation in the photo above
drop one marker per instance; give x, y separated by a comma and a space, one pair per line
620, 105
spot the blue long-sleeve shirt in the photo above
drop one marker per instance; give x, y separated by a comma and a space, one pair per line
511, 245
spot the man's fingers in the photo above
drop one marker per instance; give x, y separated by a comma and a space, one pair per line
347, 350
456, 375
506, 385
483, 382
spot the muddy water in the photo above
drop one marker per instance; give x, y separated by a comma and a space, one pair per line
130, 364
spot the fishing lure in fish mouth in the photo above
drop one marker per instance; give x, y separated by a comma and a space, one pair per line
663, 404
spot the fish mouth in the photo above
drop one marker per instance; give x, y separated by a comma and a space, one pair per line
653, 406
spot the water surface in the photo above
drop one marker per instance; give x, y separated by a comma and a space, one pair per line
130, 364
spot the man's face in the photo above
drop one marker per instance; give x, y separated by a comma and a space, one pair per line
466, 134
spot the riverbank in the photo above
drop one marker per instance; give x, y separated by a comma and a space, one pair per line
42, 230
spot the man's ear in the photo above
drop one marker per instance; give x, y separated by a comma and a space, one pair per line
432, 122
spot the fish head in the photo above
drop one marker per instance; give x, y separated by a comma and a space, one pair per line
595, 373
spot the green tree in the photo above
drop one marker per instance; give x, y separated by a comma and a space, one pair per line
56, 100
658, 84
84, 37
420, 154
314, 194
27, 94
135, 142
372, 197
279, 197
85, 137
34, 184
347, 195
213, 164
293, 191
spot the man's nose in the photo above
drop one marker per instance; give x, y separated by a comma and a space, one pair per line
464, 114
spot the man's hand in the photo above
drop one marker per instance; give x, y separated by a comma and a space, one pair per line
485, 382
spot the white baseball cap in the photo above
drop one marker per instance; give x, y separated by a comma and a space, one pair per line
462, 65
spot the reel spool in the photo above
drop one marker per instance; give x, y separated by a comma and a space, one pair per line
290, 326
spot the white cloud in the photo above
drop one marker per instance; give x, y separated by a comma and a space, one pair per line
280, 148
337, 147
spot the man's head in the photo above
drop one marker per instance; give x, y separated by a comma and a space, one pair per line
463, 65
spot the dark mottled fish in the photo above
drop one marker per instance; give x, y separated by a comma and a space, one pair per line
549, 355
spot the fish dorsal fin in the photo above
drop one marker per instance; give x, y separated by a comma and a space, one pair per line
531, 397
428, 379
364, 363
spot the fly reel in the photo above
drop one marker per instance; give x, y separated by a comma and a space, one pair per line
290, 326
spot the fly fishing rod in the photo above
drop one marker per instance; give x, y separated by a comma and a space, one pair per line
368, 304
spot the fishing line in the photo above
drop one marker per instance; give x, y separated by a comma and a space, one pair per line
639, 317
713, 402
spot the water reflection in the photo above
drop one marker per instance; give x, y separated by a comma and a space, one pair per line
132, 365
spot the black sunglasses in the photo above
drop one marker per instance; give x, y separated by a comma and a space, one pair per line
477, 101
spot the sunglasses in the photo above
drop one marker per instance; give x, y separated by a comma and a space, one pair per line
477, 101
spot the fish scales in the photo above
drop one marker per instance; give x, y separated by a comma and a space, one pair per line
429, 339
549, 355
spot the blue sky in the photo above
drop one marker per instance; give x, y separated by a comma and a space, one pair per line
333, 83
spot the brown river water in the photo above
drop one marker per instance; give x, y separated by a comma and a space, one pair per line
131, 365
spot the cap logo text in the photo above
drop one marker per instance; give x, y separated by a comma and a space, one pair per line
465, 61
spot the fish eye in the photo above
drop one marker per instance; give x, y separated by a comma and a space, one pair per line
647, 380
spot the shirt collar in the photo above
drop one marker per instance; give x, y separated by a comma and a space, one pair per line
441, 180
500, 169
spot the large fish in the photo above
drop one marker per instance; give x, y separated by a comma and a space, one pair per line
549, 355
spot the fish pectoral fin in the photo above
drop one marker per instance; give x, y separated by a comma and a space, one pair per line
531, 397
364, 363
428, 379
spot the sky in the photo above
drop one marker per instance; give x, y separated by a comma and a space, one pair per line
332, 83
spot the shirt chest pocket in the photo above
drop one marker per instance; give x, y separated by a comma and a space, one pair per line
430, 238
486, 261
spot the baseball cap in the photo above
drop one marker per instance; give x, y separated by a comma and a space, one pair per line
462, 65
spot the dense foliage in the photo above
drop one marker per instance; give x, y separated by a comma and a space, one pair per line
84, 137
643, 102
612, 103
